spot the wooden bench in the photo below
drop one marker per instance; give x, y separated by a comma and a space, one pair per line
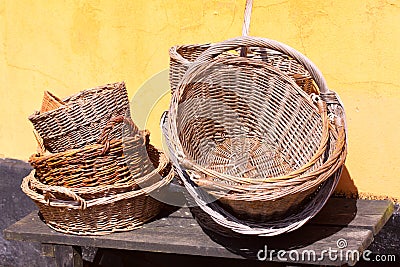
354, 223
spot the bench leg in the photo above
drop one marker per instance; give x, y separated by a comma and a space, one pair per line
64, 256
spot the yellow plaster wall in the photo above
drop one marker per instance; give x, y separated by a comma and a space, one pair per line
67, 46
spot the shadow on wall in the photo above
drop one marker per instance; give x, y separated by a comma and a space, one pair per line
14, 205
346, 186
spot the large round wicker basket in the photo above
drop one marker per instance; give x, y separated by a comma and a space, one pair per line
245, 132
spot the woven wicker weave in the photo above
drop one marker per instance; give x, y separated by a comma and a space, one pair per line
120, 186
105, 163
183, 56
80, 121
256, 144
101, 210
267, 133
276, 199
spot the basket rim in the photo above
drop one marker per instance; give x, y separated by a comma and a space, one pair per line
40, 157
268, 228
252, 41
27, 183
319, 108
38, 115
175, 55
163, 162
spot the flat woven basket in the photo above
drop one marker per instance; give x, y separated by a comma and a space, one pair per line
81, 119
255, 140
105, 163
100, 210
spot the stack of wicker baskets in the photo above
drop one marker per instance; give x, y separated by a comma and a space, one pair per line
258, 139
95, 170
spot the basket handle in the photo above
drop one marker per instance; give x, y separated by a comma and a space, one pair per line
112, 123
246, 24
47, 192
103, 138
64, 191
247, 41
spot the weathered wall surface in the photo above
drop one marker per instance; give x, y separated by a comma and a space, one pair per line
66, 46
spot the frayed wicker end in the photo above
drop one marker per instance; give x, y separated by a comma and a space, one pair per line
50, 102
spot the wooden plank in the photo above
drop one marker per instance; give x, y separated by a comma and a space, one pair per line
182, 213
356, 221
184, 236
47, 250
31, 228
360, 213
318, 239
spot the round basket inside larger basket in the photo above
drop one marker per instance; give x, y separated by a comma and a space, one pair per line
244, 118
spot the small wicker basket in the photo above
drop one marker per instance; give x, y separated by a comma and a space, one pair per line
107, 162
81, 117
